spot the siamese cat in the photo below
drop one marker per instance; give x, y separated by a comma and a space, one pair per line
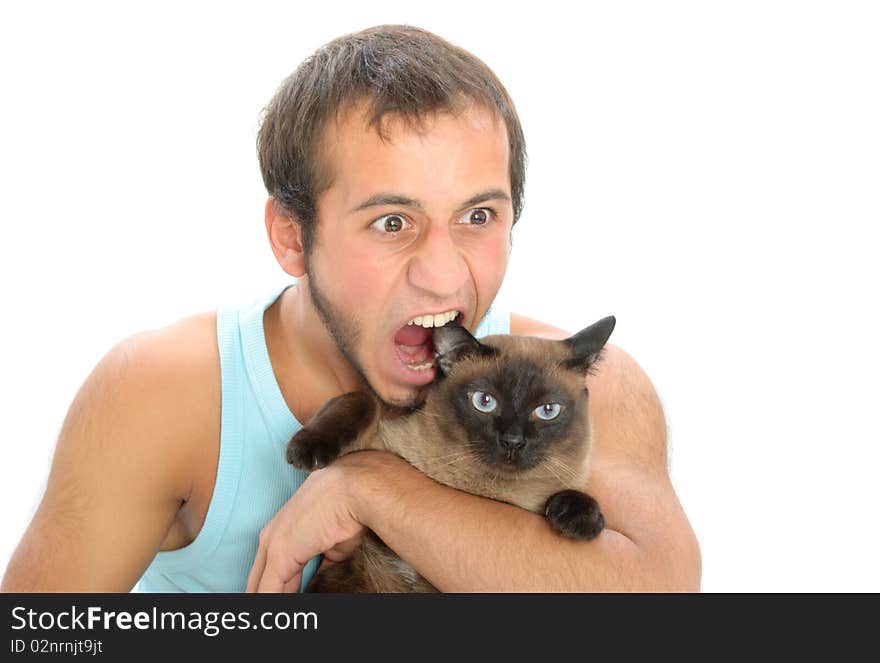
505, 418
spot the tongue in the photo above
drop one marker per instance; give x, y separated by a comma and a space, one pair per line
412, 335
414, 344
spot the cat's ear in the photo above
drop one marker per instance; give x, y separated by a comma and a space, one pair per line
586, 346
452, 342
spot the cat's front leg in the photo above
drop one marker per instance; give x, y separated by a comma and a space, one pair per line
332, 430
575, 515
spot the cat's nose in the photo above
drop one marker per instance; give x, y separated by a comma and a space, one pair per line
512, 441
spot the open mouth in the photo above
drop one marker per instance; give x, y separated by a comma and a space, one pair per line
413, 341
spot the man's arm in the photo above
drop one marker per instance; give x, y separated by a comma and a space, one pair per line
118, 477
463, 543
460, 543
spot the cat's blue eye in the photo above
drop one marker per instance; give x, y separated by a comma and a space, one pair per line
483, 401
548, 411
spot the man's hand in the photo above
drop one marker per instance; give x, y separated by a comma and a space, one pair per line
463, 543
319, 518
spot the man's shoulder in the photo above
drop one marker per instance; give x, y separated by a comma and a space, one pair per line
192, 337
168, 386
520, 325
628, 418
176, 369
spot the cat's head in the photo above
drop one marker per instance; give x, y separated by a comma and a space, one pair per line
516, 399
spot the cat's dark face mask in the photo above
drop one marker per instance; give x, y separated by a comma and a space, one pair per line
518, 400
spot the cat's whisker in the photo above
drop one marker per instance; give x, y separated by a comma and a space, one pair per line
425, 413
549, 468
569, 474
449, 462
495, 479
458, 452
563, 469
468, 449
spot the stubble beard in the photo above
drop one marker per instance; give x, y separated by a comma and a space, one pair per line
344, 331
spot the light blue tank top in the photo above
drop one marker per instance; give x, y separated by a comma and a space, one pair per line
253, 480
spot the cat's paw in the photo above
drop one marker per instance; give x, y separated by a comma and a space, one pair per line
311, 450
575, 515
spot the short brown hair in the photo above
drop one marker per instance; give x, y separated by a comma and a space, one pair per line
393, 68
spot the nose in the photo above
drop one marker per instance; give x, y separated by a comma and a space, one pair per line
438, 266
512, 442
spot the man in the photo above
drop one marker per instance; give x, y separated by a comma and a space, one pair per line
395, 166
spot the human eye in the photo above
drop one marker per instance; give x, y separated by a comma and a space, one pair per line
391, 224
477, 217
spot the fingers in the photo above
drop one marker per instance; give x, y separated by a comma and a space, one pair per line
317, 519
270, 583
292, 586
273, 573
257, 570
279, 570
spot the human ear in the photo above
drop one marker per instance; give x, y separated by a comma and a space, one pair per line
285, 237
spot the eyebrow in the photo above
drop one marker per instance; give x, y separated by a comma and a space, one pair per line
382, 199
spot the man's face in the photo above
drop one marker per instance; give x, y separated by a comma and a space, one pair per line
416, 225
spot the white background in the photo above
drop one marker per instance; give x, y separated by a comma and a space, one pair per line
708, 172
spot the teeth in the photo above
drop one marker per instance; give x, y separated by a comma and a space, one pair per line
437, 320
421, 367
